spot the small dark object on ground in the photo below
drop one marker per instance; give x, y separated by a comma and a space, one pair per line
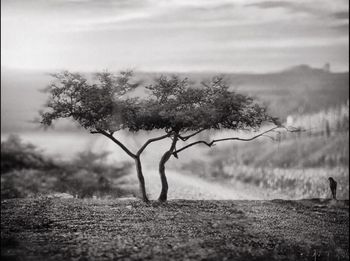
333, 186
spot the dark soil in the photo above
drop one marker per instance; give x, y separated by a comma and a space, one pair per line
75, 229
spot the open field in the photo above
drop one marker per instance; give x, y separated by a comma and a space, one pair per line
74, 229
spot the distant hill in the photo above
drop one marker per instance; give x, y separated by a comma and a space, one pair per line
300, 89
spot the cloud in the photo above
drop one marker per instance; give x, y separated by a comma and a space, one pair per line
312, 7
291, 7
342, 15
160, 33
273, 4
342, 28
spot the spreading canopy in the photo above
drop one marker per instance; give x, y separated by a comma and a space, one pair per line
95, 106
172, 104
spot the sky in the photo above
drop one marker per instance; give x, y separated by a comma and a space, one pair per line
174, 35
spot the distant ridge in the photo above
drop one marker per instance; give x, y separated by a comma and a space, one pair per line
304, 68
301, 68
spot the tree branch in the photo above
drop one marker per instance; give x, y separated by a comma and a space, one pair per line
184, 138
121, 145
168, 154
173, 144
210, 144
150, 141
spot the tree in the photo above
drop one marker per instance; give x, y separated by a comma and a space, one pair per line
185, 111
173, 105
101, 107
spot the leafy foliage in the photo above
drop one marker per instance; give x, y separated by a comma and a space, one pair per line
94, 106
173, 104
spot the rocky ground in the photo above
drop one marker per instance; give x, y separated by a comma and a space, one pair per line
76, 229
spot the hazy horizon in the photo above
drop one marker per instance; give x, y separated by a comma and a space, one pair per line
213, 71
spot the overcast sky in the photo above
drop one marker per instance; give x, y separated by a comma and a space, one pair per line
174, 35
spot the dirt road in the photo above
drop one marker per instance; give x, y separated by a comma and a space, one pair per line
182, 186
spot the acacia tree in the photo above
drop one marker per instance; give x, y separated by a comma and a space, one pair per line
173, 105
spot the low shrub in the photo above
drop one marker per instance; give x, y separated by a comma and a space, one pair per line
26, 172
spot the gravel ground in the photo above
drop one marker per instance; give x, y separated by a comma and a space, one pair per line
75, 229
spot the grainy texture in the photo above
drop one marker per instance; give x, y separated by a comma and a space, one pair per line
74, 229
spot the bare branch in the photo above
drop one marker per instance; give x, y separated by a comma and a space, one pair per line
150, 141
184, 138
121, 145
210, 144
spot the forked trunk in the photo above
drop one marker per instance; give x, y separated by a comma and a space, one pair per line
135, 157
141, 179
164, 192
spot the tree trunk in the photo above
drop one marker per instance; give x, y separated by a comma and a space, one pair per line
164, 192
141, 179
